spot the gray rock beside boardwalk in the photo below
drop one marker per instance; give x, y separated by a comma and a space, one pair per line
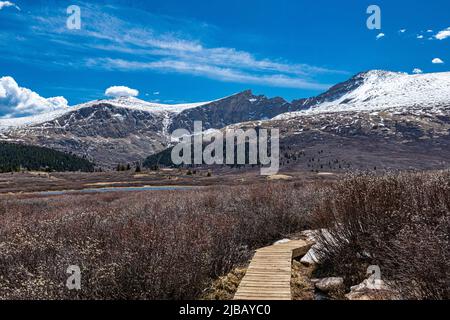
312, 256
372, 290
329, 284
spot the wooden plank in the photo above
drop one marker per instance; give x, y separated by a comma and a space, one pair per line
280, 296
251, 298
266, 294
266, 291
268, 276
258, 280
257, 285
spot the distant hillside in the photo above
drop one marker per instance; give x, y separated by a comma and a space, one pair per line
14, 157
164, 157
160, 159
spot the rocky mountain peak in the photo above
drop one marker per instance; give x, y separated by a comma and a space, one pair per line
378, 90
379, 74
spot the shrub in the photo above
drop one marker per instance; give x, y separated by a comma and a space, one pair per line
146, 245
399, 221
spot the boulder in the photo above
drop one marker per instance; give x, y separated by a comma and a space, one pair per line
371, 289
330, 284
311, 256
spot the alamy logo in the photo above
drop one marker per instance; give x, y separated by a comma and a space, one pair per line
241, 147
374, 20
374, 281
74, 20
74, 280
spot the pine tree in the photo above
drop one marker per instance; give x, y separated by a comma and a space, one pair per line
138, 167
19, 157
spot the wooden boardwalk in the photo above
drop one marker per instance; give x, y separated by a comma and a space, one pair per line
268, 276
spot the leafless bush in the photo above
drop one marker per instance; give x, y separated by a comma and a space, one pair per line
147, 245
400, 222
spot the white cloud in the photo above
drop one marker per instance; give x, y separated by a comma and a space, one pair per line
420, 36
429, 31
437, 61
444, 34
120, 39
121, 91
402, 30
212, 72
156, 93
16, 101
417, 71
5, 4
193, 52
380, 35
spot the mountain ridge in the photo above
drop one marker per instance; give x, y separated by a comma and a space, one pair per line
367, 89
331, 94
128, 129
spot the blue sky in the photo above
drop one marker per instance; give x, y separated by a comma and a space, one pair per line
175, 51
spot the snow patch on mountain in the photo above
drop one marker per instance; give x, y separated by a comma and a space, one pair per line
121, 102
11, 123
137, 104
378, 90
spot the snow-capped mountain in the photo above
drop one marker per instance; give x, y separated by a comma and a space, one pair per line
129, 103
376, 120
378, 90
141, 105
128, 129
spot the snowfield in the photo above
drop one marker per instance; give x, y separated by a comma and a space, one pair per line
378, 90
12, 123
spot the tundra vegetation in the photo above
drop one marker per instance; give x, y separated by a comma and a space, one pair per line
174, 244
146, 245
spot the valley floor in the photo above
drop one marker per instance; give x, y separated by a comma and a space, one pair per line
175, 244
26, 183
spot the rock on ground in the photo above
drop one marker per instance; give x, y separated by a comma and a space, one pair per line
329, 284
311, 257
369, 290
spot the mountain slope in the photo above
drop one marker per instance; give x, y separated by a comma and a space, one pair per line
127, 129
377, 90
376, 120
128, 103
234, 109
104, 133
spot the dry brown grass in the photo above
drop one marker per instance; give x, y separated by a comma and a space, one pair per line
225, 287
301, 286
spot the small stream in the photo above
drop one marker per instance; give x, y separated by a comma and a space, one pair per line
114, 189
